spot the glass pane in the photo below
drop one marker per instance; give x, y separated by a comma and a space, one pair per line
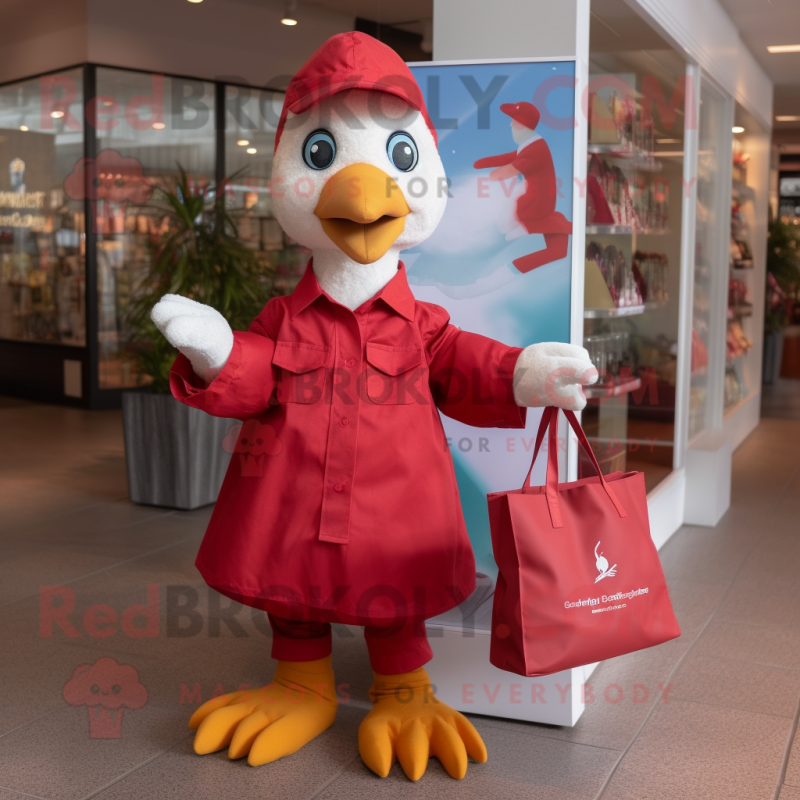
42, 241
149, 126
710, 257
252, 119
751, 145
636, 107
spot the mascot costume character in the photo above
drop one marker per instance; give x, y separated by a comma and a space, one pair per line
356, 519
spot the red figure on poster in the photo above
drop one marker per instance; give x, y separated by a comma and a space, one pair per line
536, 204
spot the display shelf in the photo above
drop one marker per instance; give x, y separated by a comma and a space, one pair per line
609, 230
613, 390
623, 230
739, 311
740, 403
621, 311
618, 150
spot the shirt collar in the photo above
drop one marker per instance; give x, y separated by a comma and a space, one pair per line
396, 294
534, 138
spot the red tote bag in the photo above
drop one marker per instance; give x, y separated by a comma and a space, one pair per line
579, 577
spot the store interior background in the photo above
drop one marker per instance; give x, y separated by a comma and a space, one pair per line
694, 377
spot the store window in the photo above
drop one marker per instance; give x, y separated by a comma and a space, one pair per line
251, 121
748, 228
148, 127
42, 240
637, 115
711, 251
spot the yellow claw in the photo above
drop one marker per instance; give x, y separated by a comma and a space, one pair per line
409, 724
271, 722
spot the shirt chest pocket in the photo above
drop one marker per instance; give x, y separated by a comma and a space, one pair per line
394, 375
302, 371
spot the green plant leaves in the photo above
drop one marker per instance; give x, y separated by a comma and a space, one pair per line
201, 257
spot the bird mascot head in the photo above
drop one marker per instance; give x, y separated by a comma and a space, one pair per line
357, 175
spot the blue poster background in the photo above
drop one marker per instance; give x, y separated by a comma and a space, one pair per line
471, 245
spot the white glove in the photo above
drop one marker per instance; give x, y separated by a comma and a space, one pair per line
553, 374
200, 332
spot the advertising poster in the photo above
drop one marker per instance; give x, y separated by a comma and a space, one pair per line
500, 260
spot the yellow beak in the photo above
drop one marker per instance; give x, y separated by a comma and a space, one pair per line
363, 211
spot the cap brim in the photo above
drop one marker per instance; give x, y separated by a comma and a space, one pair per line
311, 99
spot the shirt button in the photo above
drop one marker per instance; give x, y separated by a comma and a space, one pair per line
338, 487
344, 422
350, 362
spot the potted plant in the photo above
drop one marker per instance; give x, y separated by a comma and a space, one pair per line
783, 281
175, 454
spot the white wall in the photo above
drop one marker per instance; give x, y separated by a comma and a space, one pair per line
706, 34
512, 29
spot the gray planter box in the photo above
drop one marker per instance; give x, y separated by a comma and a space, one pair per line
773, 355
173, 452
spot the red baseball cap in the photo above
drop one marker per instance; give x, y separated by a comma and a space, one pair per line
525, 113
351, 60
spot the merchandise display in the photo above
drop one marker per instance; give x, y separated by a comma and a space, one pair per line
710, 257
127, 226
335, 532
42, 226
633, 231
628, 197
740, 333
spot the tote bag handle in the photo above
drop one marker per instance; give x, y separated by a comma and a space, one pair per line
549, 421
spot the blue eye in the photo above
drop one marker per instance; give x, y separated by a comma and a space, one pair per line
319, 149
402, 151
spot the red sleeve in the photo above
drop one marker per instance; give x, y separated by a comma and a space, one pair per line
243, 388
471, 376
496, 161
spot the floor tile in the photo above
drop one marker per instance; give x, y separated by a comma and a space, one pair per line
694, 602
737, 684
610, 720
793, 766
709, 555
762, 599
776, 645
182, 773
689, 751
518, 768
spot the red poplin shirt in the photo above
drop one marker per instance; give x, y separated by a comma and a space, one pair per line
340, 502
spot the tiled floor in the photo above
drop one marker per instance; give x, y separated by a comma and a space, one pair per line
715, 718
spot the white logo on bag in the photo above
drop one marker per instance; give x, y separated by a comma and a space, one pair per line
601, 562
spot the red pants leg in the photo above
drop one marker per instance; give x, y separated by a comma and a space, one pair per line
557, 245
299, 641
400, 647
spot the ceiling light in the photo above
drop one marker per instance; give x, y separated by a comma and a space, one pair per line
290, 13
787, 118
252, 151
23, 127
243, 142
56, 114
668, 141
195, 1
784, 48
737, 129
159, 126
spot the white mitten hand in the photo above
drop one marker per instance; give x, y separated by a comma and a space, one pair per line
199, 332
553, 374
